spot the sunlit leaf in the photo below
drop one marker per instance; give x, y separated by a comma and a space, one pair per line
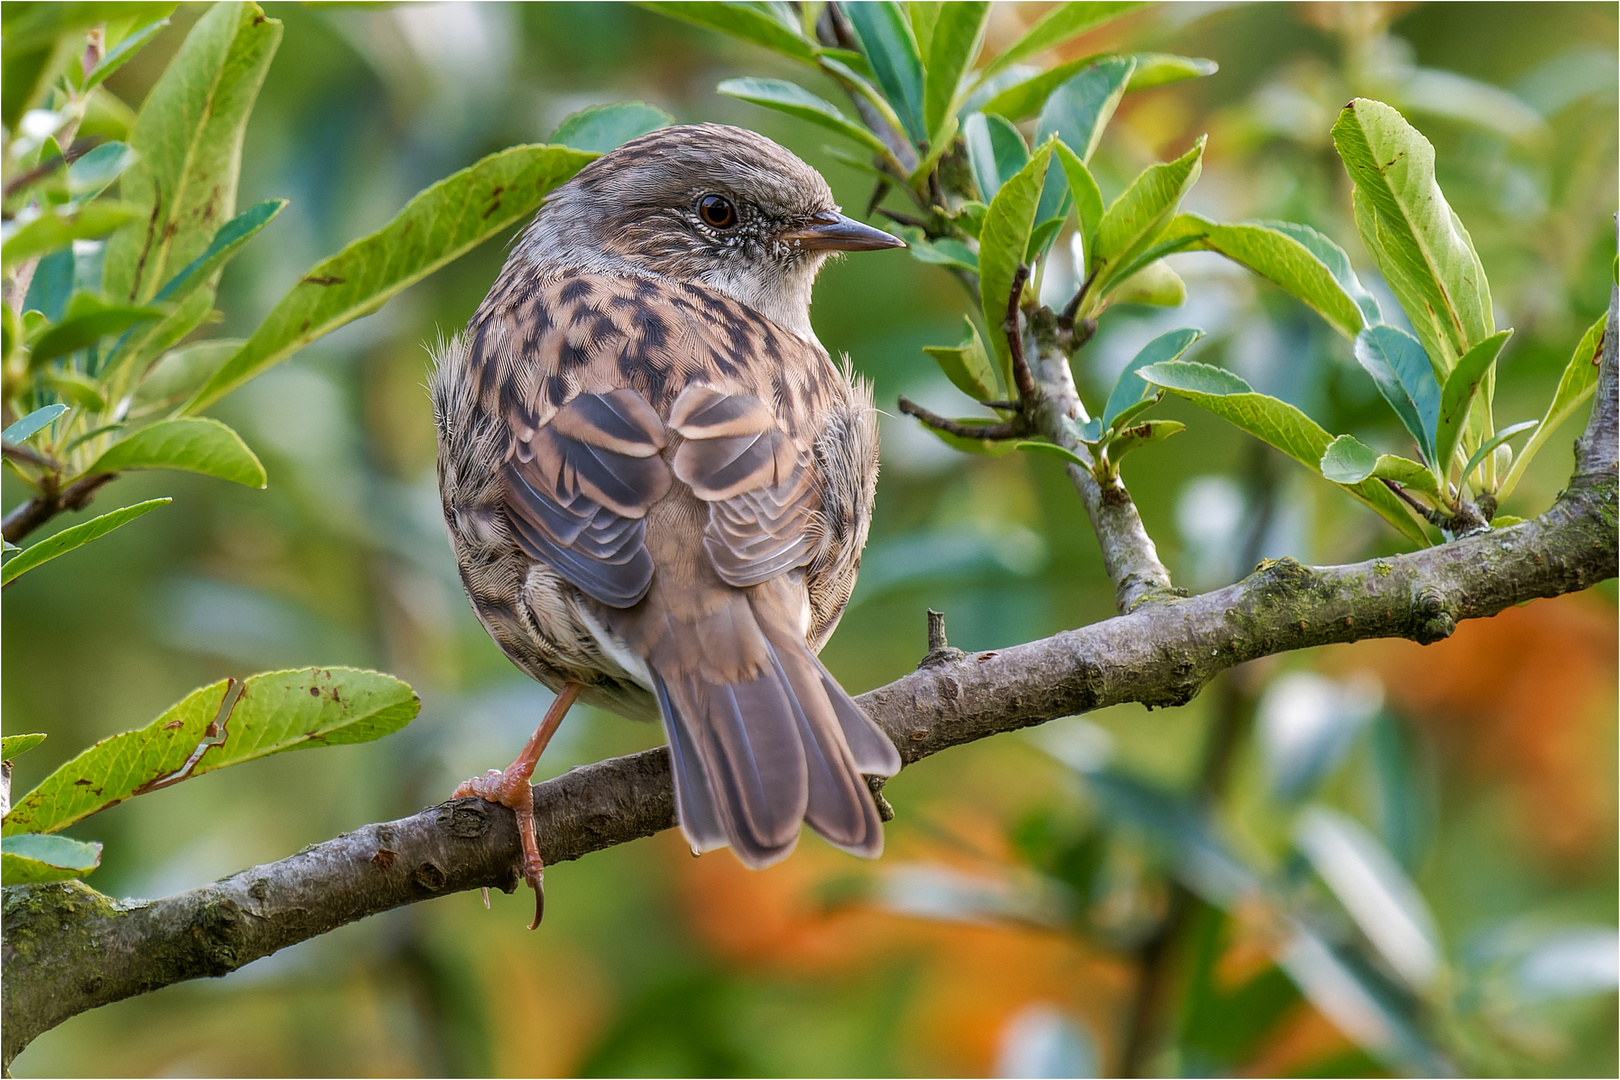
795, 100
65, 541
1002, 244
15, 745
1348, 460
1133, 223
219, 725
1057, 26
1578, 383
1024, 99
743, 21
194, 444
29, 857
50, 230
601, 128
1155, 284
953, 44
1135, 436
1405, 378
967, 365
1088, 202
890, 48
30, 425
946, 251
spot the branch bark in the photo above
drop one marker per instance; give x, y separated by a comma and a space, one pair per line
67, 948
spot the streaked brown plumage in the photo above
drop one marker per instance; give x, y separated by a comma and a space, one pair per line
658, 484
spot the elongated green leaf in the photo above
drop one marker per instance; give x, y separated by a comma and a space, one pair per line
742, 21
601, 128
924, 14
1409, 229
1154, 284
30, 857
225, 243
945, 251
983, 447
890, 48
1136, 436
189, 145
50, 230
68, 539
1578, 383
1041, 237
95, 171
1333, 257
194, 444
1404, 376
1050, 449
1007, 226
123, 53
219, 725
438, 226
967, 365
1079, 109
1088, 202
1492, 443
795, 100
16, 745
32, 424
1275, 422
996, 151
1133, 223
1458, 394
88, 320
1283, 259
1024, 99
1129, 389
1348, 460
1059, 25
953, 45
1161, 69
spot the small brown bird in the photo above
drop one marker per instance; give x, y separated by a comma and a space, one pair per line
658, 484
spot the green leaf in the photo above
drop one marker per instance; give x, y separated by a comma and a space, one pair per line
1405, 377
1088, 202
1041, 237
123, 52
954, 42
1050, 449
1492, 443
1578, 383
1458, 394
178, 374
225, 243
890, 48
88, 320
601, 128
436, 227
1160, 69
1409, 229
924, 15
795, 100
189, 145
1155, 284
50, 231
970, 217
30, 425
1275, 422
68, 539
984, 447
74, 386
1059, 25
194, 444
996, 151
1503, 521
1348, 460
1024, 99
32, 857
967, 365
95, 171
1079, 109
1137, 436
1007, 226
16, 745
1129, 389
1135, 220
1284, 257
945, 251
742, 21
219, 725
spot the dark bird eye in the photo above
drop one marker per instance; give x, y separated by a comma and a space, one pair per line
717, 211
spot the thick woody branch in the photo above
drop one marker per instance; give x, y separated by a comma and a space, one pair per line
67, 948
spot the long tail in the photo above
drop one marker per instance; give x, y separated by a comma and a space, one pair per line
755, 759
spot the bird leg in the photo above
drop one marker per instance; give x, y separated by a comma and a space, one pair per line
510, 787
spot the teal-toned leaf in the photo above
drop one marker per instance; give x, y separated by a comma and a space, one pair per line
1275, 422
436, 227
1399, 366
746, 21
1002, 244
1129, 390
1058, 25
1050, 449
180, 373
1136, 436
1348, 460
1458, 394
953, 44
1492, 443
32, 424
890, 48
68, 539
1088, 202
996, 151
795, 100
1154, 284
1079, 109
88, 320
1409, 229
219, 725
30, 857
601, 128
1133, 223
225, 243
50, 230
1041, 237
1283, 257
95, 170
16, 745
193, 444
967, 365
123, 52
188, 143
1578, 383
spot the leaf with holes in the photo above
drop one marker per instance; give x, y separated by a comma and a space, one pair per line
219, 725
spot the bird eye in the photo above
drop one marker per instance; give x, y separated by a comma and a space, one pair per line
717, 211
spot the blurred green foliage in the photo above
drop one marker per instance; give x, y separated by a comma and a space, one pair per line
1007, 928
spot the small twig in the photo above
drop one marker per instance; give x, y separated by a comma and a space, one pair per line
940, 651
1434, 517
1028, 391
32, 457
45, 168
879, 192
1010, 429
28, 516
1072, 308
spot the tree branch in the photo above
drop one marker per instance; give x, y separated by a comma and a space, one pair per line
67, 948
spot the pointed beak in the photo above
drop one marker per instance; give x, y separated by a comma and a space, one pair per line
835, 232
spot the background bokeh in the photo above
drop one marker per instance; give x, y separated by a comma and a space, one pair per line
653, 963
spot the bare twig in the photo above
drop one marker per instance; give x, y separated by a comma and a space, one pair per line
1028, 391
1007, 429
25, 517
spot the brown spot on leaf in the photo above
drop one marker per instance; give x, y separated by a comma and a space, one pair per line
172, 724
325, 279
